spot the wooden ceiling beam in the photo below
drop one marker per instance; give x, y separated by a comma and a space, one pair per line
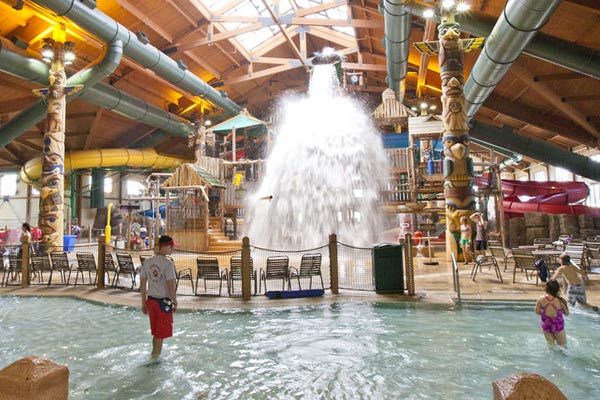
273, 42
146, 20
332, 36
589, 4
350, 23
320, 8
428, 35
93, 129
588, 97
10, 106
9, 156
17, 155
81, 115
260, 74
288, 39
554, 99
28, 144
206, 13
225, 35
553, 124
364, 67
558, 77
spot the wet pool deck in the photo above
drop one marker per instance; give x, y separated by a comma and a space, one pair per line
433, 284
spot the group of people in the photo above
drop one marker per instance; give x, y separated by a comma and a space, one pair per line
466, 235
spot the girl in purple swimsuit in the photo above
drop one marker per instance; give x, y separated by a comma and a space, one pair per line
551, 307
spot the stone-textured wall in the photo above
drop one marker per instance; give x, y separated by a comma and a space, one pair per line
522, 231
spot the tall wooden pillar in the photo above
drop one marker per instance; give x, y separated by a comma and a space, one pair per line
458, 166
52, 180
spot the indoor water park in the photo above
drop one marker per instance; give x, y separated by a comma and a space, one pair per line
304, 199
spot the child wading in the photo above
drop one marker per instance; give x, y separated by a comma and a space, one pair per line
551, 307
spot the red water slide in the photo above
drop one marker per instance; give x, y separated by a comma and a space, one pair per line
547, 197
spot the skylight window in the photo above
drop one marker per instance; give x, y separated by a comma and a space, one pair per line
284, 9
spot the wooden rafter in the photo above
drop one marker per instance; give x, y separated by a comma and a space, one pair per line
533, 116
206, 13
10, 106
273, 42
554, 99
352, 23
260, 74
288, 39
428, 35
225, 35
30, 145
586, 97
332, 36
146, 20
93, 129
558, 77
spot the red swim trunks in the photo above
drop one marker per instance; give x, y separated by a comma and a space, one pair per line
161, 323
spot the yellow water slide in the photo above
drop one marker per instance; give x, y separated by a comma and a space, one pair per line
104, 158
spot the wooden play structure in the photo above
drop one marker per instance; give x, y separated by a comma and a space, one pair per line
194, 205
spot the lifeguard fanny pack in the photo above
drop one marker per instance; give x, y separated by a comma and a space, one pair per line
166, 304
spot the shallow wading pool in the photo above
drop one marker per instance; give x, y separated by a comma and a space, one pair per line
342, 351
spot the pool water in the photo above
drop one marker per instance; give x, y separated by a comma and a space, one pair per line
349, 350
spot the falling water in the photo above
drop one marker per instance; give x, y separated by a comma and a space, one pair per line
323, 173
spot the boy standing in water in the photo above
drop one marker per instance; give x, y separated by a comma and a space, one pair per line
551, 307
575, 288
159, 299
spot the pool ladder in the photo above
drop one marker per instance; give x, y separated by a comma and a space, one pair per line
455, 279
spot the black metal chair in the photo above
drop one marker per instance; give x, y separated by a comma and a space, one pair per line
40, 263
277, 268
86, 263
482, 261
126, 267
208, 270
14, 269
235, 273
525, 261
60, 263
310, 265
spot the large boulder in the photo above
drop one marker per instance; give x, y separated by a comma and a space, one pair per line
526, 387
34, 378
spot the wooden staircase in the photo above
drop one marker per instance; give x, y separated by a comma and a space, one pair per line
218, 242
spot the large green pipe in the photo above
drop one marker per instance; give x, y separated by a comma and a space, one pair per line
87, 77
516, 27
107, 30
396, 41
575, 57
100, 94
507, 138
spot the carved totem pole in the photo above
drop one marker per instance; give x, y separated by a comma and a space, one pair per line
458, 166
51, 214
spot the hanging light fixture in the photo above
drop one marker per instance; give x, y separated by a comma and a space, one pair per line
48, 50
69, 55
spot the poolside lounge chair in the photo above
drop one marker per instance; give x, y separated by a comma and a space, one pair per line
277, 268
208, 270
109, 267
126, 267
13, 271
310, 265
482, 261
526, 262
235, 273
40, 263
85, 263
578, 254
60, 263
499, 252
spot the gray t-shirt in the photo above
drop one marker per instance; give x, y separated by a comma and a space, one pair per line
158, 270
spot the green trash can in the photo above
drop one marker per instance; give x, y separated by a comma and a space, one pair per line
388, 269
